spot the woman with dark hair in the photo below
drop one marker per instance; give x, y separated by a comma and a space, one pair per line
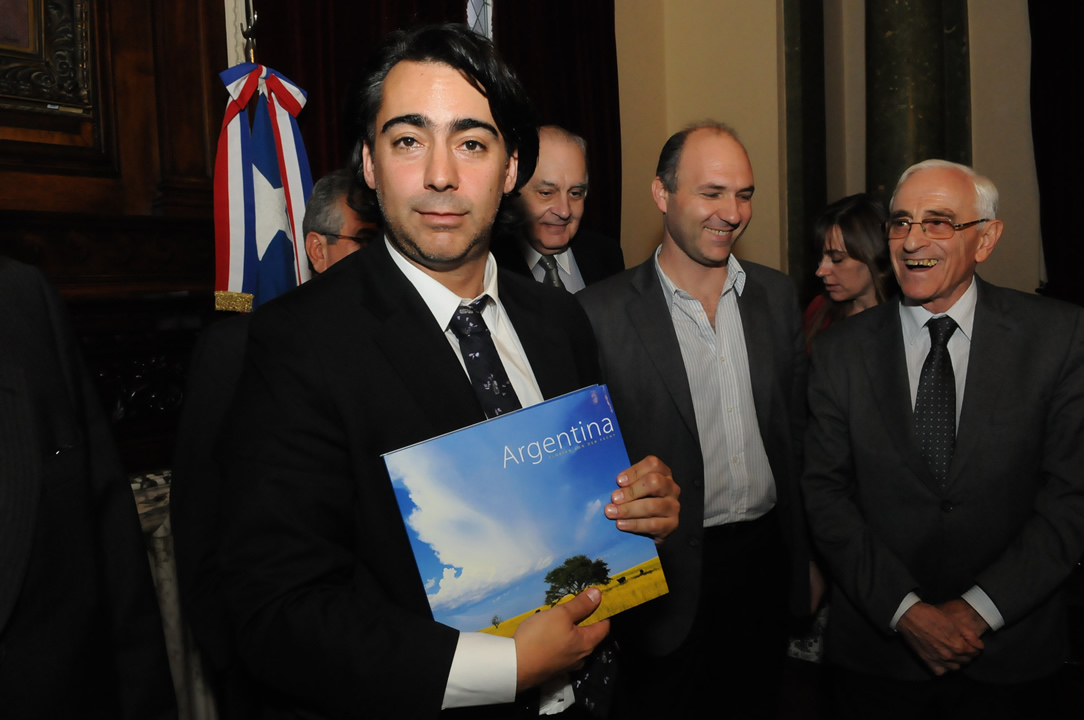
854, 264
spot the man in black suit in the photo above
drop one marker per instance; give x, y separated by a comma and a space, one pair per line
80, 633
547, 243
331, 613
948, 530
338, 222
706, 366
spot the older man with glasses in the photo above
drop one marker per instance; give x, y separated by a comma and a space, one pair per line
944, 473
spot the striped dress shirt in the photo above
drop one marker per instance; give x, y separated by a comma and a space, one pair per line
738, 481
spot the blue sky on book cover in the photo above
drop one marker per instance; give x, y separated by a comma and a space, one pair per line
492, 508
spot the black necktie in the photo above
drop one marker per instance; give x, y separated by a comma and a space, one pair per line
553, 277
935, 406
487, 374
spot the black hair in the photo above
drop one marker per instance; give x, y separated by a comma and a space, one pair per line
473, 55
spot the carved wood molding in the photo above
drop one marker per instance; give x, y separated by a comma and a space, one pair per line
52, 73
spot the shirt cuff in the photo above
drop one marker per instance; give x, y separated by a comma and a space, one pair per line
977, 598
908, 600
483, 671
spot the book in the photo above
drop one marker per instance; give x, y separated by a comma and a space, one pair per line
505, 516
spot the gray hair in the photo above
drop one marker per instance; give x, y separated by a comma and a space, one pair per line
567, 136
985, 190
323, 213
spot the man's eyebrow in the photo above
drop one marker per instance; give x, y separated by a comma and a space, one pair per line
463, 124
939, 212
901, 214
548, 184
718, 188
419, 121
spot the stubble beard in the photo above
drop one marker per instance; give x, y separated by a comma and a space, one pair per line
402, 240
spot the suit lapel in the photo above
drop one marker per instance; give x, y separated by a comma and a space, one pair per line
417, 348
753, 309
546, 348
886, 366
651, 319
986, 368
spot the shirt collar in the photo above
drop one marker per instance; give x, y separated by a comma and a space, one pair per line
441, 301
533, 256
735, 280
914, 317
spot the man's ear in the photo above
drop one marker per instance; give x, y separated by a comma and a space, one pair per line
991, 233
510, 172
367, 166
314, 247
659, 193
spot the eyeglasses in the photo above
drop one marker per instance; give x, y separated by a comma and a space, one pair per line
899, 228
355, 238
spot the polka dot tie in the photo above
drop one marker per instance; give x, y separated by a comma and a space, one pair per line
935, 406
484, 366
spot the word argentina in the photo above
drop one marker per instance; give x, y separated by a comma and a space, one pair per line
537, 450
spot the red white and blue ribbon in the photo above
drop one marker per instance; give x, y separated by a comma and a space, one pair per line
262, 182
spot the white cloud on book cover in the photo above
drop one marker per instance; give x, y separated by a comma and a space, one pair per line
493, 545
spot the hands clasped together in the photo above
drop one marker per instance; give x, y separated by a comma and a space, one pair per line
945, 636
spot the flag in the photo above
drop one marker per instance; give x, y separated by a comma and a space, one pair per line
262, 182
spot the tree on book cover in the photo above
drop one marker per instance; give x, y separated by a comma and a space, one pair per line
493, 511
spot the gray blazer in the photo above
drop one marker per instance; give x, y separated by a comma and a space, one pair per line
641, 362
1011, 517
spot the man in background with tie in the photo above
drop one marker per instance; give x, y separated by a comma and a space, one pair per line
944, 472
548, 243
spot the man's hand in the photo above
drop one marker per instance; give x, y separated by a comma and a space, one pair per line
941, 642
551, 642
647, 501
962, 613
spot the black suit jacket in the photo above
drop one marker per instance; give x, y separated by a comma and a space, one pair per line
597, 256
80, 633
641, 362
1011, 516
331, 613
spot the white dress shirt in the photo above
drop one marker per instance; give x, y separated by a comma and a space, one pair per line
483, 670
738, 481
916, 346
566, 267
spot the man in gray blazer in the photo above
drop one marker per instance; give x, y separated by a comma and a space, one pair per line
948, 543
706, 365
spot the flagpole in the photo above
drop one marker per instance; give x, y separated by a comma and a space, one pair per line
248, 31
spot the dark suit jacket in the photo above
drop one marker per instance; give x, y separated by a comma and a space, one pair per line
196, 511
641, 362
331, 613
1011, 517
80, 633
597, 256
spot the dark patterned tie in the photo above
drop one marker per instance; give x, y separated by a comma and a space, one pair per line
487, 374
935, 406
553, 277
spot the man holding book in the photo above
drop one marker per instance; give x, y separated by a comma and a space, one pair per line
332, 615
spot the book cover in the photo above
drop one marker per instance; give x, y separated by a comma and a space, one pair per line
505, 517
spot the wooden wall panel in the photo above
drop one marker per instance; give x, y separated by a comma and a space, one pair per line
112, 198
